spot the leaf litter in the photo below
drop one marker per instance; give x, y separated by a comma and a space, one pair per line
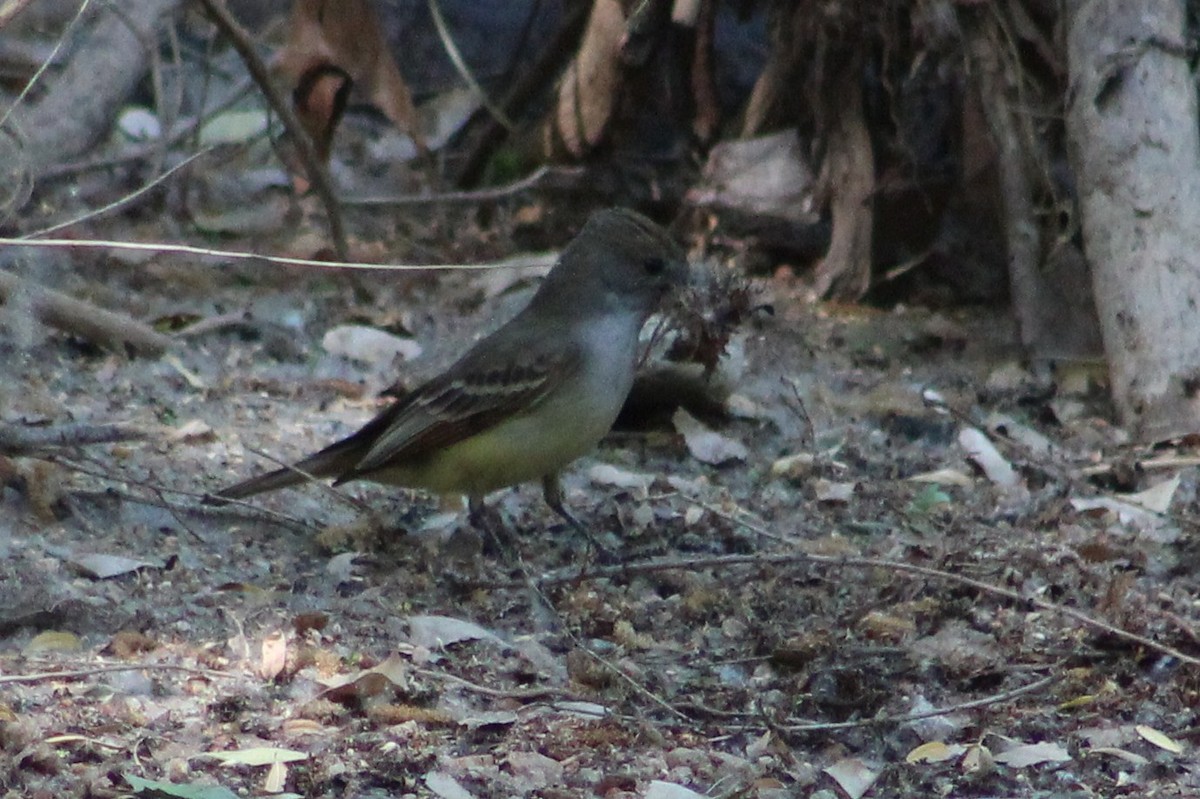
411, 663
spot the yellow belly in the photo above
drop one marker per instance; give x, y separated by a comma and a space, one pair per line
527, 447
522, 449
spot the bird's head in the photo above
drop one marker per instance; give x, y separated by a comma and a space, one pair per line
620, 259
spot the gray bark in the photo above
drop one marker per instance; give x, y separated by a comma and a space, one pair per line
1051, 294
1132, 127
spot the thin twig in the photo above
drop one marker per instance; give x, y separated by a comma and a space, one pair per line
43, 676
995, 699
58, 45
537, 260
548, 63
239, 319
575, 575
464, 71
237, 508
525, 695
641, 689
317, 173
121, 202
477, 195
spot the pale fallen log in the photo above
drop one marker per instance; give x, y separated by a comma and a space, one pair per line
25, 440
106, 328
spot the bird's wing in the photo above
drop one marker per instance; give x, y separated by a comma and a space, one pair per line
459, 404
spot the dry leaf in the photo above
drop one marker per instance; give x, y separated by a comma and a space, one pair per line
274, 656
951, 477
764, 176
102, 567
127, 643
984, 454
1132, 758
276, 778
257, 756
330, 48
535, 770
1026, 755
195, 431
1159, 739
878, 624
604, 474
659, 789
829, 491
707, 446
854, 775
794, 467
445, 786
978, 760
303, 727
1157, 498
386, 679
1037, 444
934, 752
437, 632
1132, 516
369, 345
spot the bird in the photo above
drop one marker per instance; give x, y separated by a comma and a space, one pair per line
528, 399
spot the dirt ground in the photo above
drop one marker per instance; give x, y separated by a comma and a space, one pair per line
849, 604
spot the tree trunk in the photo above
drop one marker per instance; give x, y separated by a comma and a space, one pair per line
1136, 155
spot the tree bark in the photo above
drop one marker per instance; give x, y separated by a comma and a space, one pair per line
1136, 154
1023, 235
848, 179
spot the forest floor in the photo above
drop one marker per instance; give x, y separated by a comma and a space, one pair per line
854, 602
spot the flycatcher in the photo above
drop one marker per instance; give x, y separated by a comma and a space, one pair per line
528, 399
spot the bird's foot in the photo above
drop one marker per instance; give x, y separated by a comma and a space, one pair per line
498, 538
552, 492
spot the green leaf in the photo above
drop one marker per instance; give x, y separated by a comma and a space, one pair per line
927, 500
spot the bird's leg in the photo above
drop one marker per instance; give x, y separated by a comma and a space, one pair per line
552, 491
477, 513
496, 535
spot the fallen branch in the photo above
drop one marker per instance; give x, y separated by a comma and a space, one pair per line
103, 327
78, 674
103, 71
25, 440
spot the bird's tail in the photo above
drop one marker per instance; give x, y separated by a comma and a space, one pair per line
332, 461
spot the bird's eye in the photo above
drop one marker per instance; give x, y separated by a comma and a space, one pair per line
655, 266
